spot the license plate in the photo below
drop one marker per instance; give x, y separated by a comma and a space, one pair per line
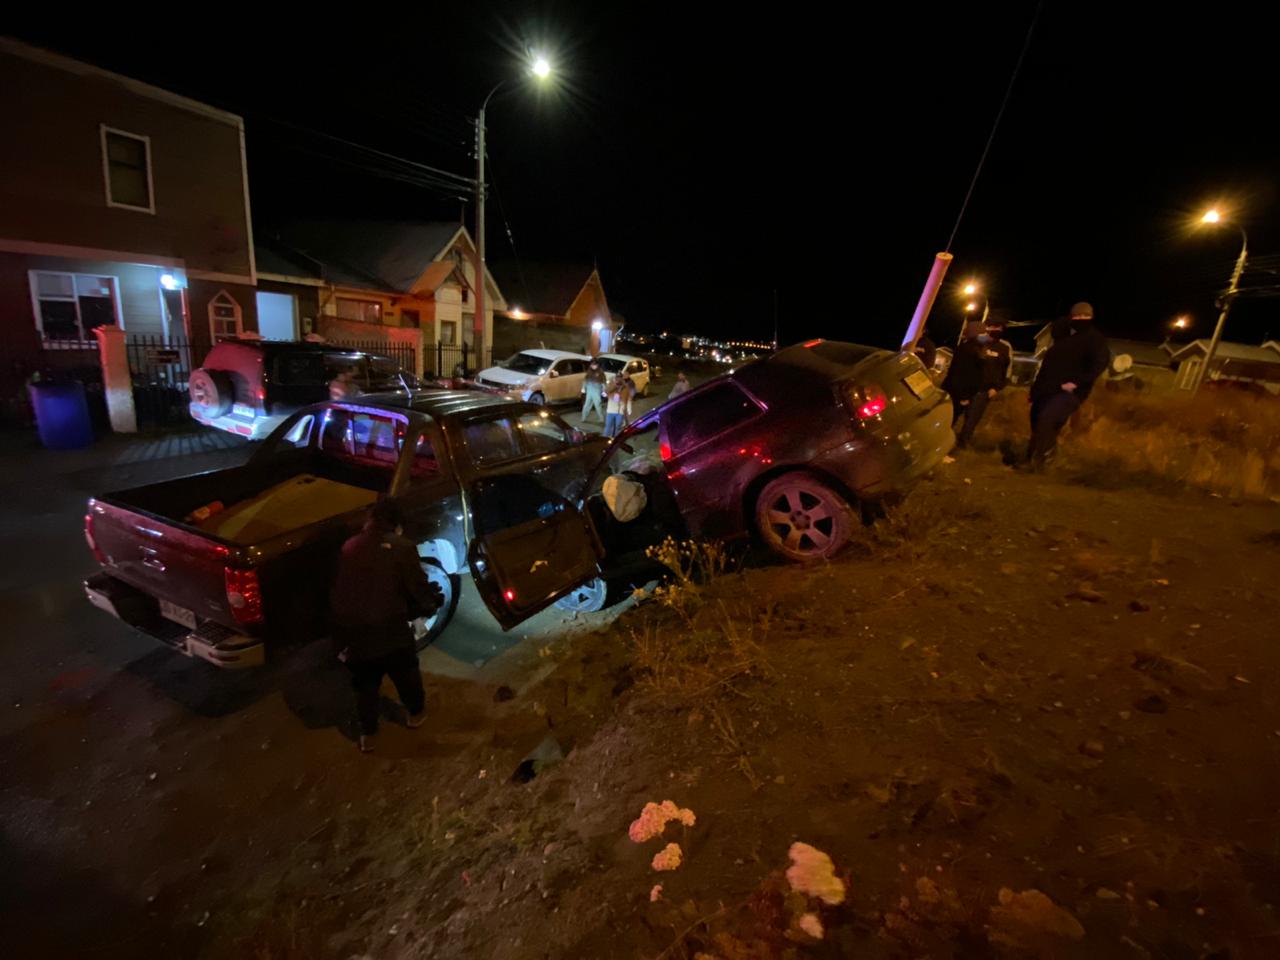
177, 614
243, 410
101, 601
919, 383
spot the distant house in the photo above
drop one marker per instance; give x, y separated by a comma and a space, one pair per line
561, 305
358, 279
1231, 361
120, 204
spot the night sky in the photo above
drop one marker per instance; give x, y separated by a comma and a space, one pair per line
706, 160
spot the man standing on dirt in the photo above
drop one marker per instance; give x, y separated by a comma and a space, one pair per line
1067, 374
593, 392
966, 381
379, 588
999, 358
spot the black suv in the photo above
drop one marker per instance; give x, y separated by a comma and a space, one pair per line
249, 387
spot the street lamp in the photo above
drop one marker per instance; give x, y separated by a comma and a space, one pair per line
1215, 216
540, 68
971, 289
1181, 323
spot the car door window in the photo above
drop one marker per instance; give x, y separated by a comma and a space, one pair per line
424, 466
706, 415
491, 442
543, 433
384, 374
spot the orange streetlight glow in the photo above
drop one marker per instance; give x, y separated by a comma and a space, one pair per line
1211, 216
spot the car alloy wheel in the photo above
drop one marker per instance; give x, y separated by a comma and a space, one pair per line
427, 629
801, 518
588, 597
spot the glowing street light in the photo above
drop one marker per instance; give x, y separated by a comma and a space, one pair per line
1214, 216
970, 307
540, 67
1182, 322
970, 289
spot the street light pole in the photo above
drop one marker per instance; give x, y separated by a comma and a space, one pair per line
1227, 300
477, 335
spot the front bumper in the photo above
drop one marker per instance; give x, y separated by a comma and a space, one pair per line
210, 641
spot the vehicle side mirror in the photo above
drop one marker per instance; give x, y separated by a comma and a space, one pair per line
553, 373
577, 437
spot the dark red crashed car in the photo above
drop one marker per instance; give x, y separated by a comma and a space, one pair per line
792, 449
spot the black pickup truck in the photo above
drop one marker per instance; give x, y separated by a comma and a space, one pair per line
220, 565
792, 450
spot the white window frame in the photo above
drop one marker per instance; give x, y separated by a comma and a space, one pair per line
106, 169
34, 286
217, 300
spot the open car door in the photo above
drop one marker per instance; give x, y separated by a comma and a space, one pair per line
531, 546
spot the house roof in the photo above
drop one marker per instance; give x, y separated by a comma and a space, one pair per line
385, 255
1228, 351
548, 288
1142, 351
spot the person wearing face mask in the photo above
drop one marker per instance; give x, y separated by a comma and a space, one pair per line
1067, 373
966, 381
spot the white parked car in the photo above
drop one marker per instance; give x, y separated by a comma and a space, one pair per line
616, 364
538, 376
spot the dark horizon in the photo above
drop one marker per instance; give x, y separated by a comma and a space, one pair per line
704, 167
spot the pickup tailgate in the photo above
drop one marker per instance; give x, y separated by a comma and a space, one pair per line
171, 562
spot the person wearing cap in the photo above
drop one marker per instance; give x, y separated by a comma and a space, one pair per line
1067, 373
966, 381
999, 358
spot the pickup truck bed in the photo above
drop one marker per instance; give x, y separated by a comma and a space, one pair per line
221, 586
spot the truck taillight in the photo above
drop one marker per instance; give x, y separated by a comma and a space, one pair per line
88, 535
244, 594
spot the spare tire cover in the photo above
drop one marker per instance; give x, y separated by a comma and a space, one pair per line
212, 390
625, 498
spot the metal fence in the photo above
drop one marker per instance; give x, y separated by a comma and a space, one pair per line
401, 353
161, 368
57, 360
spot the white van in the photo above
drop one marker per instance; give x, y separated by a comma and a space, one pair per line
538, 376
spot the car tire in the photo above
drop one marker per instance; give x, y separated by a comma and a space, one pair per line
802, 518
427, 629
591, 597
212, 391
537, 399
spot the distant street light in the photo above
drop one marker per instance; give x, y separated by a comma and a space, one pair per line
540, 67
970, 307
1214, 216
1181, 323
971, 289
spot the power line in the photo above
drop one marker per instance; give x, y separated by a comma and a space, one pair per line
1008, 91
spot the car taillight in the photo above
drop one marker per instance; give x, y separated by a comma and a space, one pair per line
244, 594
509, 595
88, 535
664, 451
870, 402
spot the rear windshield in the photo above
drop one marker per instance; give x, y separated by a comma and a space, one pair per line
527, 363
301, 369
610, 365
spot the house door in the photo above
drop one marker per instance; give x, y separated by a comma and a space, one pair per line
277, 316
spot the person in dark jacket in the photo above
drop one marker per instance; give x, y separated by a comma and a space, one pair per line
1067, 373
380, 586
966, 381
999, 358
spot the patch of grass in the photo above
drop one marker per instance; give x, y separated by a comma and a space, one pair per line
1219, 440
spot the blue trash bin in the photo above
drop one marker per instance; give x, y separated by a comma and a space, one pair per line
62, 415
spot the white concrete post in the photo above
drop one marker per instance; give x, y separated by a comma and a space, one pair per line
927, 296
413, 337
117, 382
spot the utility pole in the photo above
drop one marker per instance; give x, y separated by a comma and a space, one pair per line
479, 284
1227, 299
